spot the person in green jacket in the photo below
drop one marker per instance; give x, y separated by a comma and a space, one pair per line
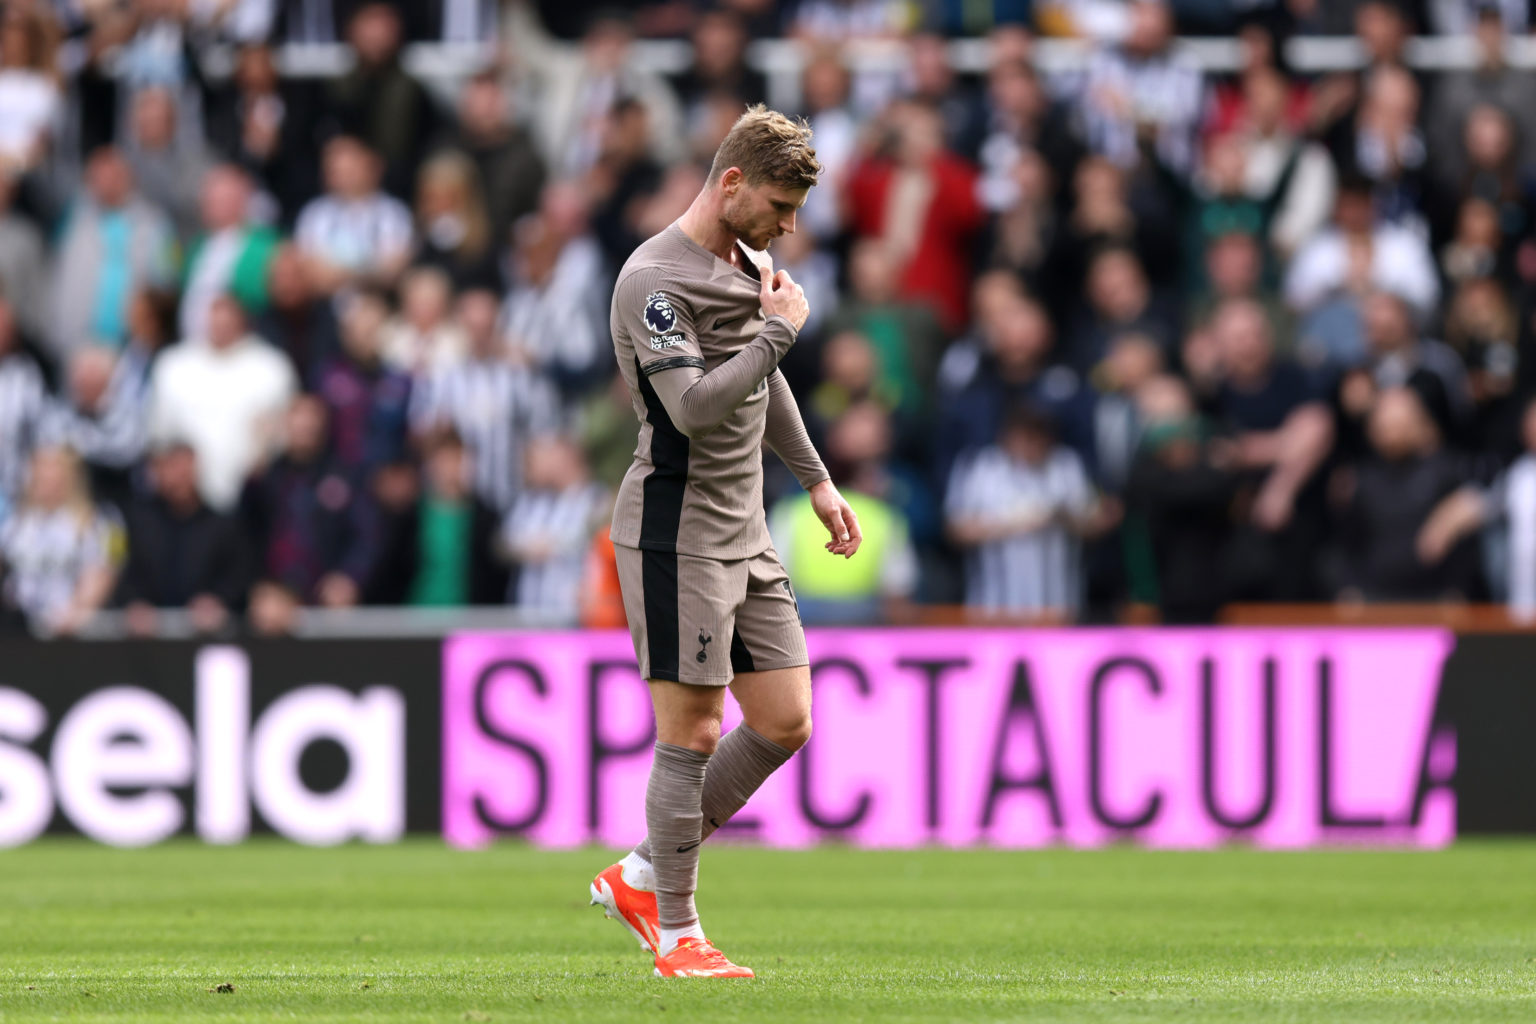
231, 256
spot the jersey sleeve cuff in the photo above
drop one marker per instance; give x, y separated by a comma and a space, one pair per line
671, 363
793, 332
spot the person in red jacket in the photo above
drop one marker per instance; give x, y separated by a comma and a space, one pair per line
920, 200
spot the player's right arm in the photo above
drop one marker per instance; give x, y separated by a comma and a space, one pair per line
666, 345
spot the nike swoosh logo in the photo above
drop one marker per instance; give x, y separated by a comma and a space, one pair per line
713, 822
685, 849
726, 321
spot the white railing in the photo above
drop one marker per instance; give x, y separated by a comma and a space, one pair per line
783, 60
373, 623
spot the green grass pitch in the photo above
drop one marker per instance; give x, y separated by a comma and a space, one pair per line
419, 932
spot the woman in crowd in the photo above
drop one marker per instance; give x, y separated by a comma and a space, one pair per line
58, 553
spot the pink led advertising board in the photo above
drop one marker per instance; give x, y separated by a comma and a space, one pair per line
1010, 738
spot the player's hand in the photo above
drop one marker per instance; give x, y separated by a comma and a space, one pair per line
780, 296
838, 518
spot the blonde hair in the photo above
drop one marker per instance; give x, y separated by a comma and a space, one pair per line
458, 174
769, 149
78, 501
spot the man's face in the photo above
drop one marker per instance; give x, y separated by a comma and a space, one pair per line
175, 474
757, 214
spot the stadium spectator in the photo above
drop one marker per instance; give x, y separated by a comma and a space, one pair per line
354, 233
113, 243
1387, 147
843, 20
1402, 535
1117, 298
605, 425
1512, 505
378, 101
1234, 269
492, 402
23, 265
850, 375
719, 67
152, 317
1142, 86
859, 449
58, 554
439, 547
931, 79
1400, 356
1476, 249
573, 88
1279, 433
181, 553
1023, 235
453, 232
824, 87
1491, 174
102, 419
422, 338
1383, 30
556, 312
312, 526
1019, 509
920, 201
231, 255
299, 320
23, 403
1357, 253
31, 101
816, 271
1014, 369
624, 174
1281, 165
906, 336
367, 401
1490, 82
1178, 508
547, 531
1102, 217
1022, 118
224, 398
1133, 360
1481, 327
168, 157
511, 168
264, 124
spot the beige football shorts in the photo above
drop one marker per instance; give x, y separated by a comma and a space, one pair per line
702, 620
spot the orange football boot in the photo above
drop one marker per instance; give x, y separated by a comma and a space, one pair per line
696, 958
634, 908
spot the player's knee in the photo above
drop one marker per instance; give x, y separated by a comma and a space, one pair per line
790, 733
703, 734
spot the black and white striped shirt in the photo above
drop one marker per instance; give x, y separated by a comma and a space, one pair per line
118, 436
23, 404
495, 408
355, 234
563, 522
1164, 90
46, 554
563, 323
1037, 571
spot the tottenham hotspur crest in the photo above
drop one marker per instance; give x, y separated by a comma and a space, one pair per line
659, 315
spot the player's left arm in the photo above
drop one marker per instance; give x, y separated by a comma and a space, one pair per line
786, 435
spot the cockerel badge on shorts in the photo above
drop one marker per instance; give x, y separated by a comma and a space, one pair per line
659, 315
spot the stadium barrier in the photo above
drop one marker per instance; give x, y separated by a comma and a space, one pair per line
1275, 737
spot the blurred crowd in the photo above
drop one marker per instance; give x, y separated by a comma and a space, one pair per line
1121, 334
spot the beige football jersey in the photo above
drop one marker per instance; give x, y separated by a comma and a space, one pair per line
676, 304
